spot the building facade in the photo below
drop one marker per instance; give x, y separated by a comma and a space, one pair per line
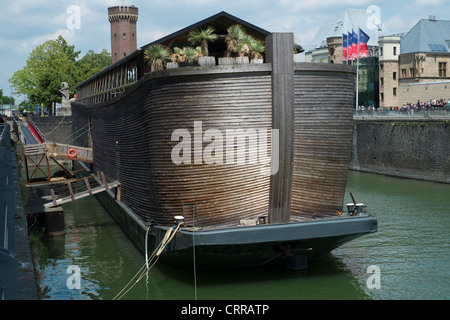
327, 47
414, 65
424, 62
389, 53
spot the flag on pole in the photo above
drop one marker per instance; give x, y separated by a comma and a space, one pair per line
344, 47
363, 48
349, 47
354, 45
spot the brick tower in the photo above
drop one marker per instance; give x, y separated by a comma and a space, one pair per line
123, 30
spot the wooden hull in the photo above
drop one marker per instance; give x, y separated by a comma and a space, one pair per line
132, 142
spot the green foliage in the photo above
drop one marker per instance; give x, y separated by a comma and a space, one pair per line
235, 34
50, 64
256, 49
245, 45
92, 63
187, 54
27, 106
6, 99
202, 36
156, 54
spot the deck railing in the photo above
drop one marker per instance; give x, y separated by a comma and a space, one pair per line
112, 81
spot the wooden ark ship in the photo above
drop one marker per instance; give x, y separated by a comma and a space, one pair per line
234, 214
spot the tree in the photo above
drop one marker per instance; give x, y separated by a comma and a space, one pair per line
50, 64
92, 63
6, 99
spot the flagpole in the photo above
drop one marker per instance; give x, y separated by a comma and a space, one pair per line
357, 73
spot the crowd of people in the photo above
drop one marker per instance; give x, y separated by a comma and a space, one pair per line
432, 104
410, 108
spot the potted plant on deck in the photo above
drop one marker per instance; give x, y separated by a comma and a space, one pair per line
243, 48
175, 57
156, 55
256, 50
203, 36
234, 35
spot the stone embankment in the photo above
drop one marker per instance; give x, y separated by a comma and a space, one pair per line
409, 148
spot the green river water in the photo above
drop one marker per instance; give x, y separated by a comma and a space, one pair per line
411, 251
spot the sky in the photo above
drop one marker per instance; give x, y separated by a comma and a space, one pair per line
25, 24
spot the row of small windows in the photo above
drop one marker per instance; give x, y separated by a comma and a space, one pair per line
124, 36
442, 72
115, 54
394, 51
394, 93
433, 48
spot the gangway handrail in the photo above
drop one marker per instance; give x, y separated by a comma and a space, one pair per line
34, 129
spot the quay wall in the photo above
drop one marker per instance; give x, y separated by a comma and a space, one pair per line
17, 281
55, 129
417, 149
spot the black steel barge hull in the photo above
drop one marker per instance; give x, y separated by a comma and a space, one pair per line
251, 246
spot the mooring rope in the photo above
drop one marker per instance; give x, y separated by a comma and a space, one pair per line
149, 263
193, 253
56, 126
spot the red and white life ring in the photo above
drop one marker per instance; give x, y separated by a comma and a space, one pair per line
72, 153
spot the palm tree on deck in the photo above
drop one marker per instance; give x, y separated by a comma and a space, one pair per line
156, 54
202, 36
235, 35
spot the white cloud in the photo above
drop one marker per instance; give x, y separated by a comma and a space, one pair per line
428, 3
300, 6
398, 23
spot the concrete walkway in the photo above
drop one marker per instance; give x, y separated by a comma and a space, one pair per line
17, 274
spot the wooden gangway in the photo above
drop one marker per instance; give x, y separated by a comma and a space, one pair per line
39, 157
66, 186
80, 188
59, 151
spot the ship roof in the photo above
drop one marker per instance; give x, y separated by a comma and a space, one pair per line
220, 21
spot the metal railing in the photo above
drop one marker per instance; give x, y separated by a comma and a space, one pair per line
438, 113
34, 128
